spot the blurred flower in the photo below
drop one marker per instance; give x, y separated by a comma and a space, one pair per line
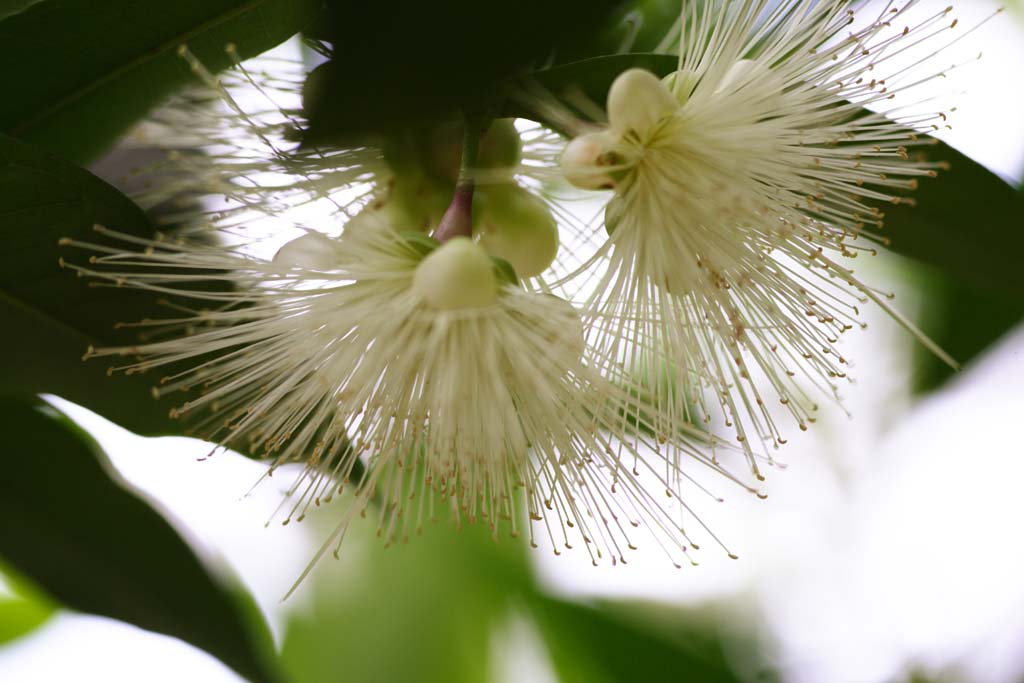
740, 182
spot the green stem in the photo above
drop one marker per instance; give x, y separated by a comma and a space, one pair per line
458, 219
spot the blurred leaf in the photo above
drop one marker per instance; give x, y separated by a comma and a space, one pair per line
9, 7
23, 610
51, 317
968, 222
408, 62
421, 612
962, 319
591, 78
69, 522
639, 26
967, 229
600, 644
78, 73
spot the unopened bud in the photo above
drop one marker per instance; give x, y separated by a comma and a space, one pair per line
584, 158
440, 150
500, 146
514, 225
457, 275
415, 203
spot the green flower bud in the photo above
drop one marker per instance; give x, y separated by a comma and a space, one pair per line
414, 203
440, 149
500, 146
512, 224
457, 275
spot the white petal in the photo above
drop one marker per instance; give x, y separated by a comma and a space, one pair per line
637, 100
312, 251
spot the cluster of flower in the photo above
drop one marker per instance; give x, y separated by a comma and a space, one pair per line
478, 355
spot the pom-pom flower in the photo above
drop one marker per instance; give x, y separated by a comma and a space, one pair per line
740, 182
419, 373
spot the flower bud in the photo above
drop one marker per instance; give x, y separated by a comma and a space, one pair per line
457, 275
583, 158
637, 100
414, 203
440, 149
500, 146
312, 251
514, 225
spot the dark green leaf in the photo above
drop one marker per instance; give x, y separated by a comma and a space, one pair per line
408, 62
968, 222
9, 7
962, 319
588, 77
77, 73
70, 524
50, 317
639, 26
967, 229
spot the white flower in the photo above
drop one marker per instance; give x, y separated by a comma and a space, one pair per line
417, 372
422, 364
741, 181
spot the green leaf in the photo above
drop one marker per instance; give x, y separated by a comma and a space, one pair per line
604, 644
968, 222
966, 230
50, 317
24, 609
418, 612
590, 77
962, 319
409, 63
71, 525
638, 26
78, 73
9, 7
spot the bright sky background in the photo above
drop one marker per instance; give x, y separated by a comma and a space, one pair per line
892, 537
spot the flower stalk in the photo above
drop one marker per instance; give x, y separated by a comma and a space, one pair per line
458, 219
